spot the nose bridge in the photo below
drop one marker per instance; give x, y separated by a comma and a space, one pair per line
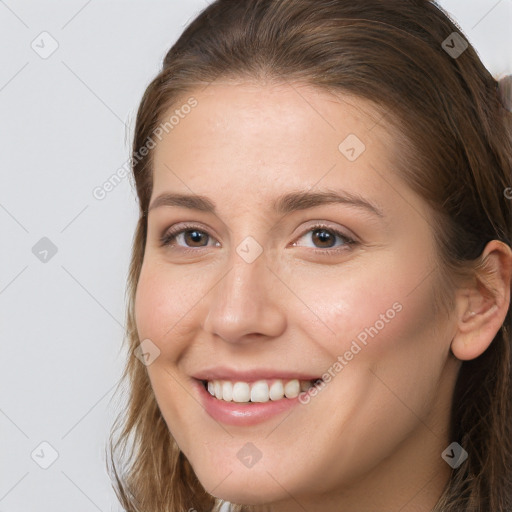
242, 302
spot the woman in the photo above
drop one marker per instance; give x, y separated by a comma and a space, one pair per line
319, 312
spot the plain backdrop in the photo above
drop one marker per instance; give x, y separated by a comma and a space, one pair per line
71, 77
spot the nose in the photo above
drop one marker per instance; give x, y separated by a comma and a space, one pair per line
246, 304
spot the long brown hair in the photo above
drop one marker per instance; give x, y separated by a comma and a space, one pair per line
454, 136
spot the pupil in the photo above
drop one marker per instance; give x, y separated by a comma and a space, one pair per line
195, 235
323, 234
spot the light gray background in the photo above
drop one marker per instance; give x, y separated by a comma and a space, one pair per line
66, 126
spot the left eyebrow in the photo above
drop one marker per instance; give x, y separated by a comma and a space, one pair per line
284, 204
302, 200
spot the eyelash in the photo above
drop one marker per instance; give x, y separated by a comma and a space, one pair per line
171, 235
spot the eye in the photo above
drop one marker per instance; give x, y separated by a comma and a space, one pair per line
325, 236
192, 237
188, 234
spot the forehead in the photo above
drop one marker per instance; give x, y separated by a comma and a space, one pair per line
251, 136
282, 116
225, 106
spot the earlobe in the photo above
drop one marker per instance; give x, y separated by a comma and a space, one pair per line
482, 309
476, 332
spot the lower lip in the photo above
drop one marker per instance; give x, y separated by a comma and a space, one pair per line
242, 414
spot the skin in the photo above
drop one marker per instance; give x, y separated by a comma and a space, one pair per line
372, 438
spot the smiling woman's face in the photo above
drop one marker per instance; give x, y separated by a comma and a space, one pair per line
260, 288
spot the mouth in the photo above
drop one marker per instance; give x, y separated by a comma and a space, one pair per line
259, 391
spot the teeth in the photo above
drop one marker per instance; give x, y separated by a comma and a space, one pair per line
217, 386
241, 392
276, 391
292, 389
305, 385
259, 391
227, 391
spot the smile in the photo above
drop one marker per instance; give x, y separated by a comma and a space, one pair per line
258, 391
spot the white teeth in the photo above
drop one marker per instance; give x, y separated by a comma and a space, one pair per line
276, 390
218, 389
227, 391
259, 391
241, 392
292, 389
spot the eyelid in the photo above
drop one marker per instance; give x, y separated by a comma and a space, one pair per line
320, 224
348, 239
178, 229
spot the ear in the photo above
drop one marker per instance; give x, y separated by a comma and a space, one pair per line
482, 307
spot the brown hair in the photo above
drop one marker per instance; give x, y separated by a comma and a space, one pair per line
454, 136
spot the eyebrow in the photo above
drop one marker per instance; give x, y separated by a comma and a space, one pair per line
284, 204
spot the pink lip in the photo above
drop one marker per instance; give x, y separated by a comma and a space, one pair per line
242, 414
225, 373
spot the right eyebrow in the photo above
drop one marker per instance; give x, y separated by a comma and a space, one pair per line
192, 202
287, 203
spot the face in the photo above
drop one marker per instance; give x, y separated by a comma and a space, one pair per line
306, 259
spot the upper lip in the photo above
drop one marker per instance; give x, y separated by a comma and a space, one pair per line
254, 374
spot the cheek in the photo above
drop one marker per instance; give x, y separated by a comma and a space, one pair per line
150, 300
380, 308
158, 303
162, 301
168, 305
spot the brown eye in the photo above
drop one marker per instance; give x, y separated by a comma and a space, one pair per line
324, 237
194, 236
187, 237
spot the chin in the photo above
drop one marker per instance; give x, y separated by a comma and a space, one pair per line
244, 486
236, 494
